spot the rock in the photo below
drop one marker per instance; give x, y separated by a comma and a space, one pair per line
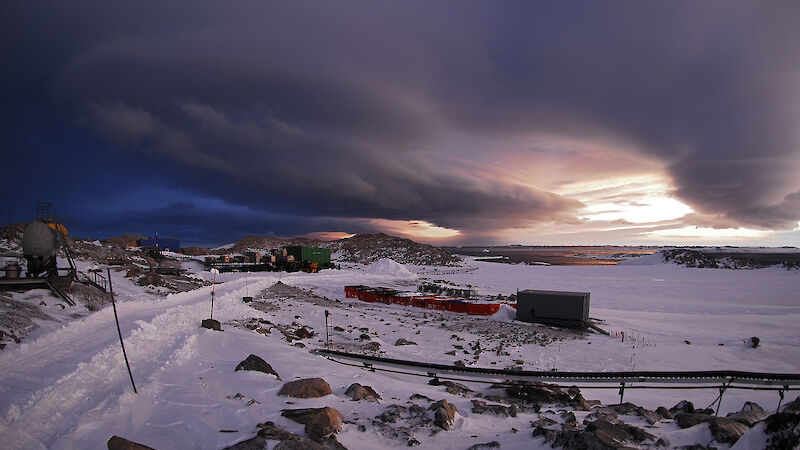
539, 392
420, 397
319, 422
684, 406
481, 407
663, 412
652, 417
725, 430
254, 443
299, 345
754, 341
307, 388
364, 337
269, 431
151, 278
444, 414
413, 442
392, 413
303, 333
543, 422
372, 346
254, 362
118, 443
211, 324
299, 444
493, 444
337, 328
610, 434
783, 428
451, 387
358, 392
402, 341
750, 414
459, 363
451, 353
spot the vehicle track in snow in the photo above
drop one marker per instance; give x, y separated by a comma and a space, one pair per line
39, 405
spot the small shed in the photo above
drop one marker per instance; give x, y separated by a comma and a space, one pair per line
569, 309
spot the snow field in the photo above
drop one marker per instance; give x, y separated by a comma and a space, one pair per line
69, 388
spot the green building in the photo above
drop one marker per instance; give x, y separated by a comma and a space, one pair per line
321, 256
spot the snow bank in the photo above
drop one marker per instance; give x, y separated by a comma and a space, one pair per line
505, 313
389, 268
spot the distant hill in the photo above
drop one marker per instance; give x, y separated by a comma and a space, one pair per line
361, 248
372, 247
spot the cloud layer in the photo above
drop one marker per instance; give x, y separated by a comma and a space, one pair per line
403, 111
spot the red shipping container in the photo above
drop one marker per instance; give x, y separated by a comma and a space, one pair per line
480, 309
457, 307
419, 302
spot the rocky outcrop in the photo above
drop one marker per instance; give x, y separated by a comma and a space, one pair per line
363, 248
307, 388
601, 434
254, 362
539, 393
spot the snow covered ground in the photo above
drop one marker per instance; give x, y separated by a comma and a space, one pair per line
67, 387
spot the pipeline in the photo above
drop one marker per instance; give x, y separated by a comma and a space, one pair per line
733, 379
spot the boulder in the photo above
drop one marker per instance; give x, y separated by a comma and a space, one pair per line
358, 392
319, 422
402, 341
444, 414
307, 388
118, 443
725, 430
750, 414
254, 362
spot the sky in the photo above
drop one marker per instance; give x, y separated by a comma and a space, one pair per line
452, 122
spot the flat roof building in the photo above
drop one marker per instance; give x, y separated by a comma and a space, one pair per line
569, 309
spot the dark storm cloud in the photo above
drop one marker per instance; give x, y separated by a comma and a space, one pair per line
341, 109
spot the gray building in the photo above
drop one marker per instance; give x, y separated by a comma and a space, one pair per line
570, 309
